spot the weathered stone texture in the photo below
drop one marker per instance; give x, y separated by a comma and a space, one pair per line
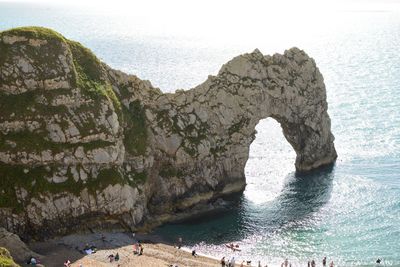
81, 141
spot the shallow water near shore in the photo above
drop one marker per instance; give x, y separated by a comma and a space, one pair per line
350, 212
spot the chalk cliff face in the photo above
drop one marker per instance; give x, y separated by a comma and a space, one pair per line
83, 145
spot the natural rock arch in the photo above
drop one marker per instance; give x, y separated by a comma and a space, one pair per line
81, 140
209, 129
288, 88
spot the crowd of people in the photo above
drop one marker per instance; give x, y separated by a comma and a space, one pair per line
231, 263
313, 264
138, 250
235, 248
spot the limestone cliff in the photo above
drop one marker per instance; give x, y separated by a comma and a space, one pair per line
81, 142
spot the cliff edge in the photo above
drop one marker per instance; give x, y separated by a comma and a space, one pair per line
81, 142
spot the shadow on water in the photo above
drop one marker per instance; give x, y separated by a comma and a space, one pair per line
301, 196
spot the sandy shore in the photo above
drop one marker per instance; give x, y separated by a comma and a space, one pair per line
156, 252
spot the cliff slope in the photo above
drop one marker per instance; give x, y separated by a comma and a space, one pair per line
81, 142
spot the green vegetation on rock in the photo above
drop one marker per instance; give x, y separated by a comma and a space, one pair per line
34, 32
88, 68
167, 170
137, 178
234, 128
45, 56
90, 74
33, 180
3, 52
5, 258
37, 142
30, 113
19, 104
135, 139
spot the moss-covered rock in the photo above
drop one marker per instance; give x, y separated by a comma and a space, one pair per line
63, 128
79, 140
5, 258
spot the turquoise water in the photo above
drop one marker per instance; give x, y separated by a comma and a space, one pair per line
350, 213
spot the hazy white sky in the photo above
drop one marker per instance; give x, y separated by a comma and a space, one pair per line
248, 18
170, 5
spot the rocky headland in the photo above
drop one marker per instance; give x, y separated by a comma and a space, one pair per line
85, 146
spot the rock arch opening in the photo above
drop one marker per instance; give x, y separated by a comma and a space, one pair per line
271, 158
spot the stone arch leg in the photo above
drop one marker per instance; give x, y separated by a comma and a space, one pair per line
313, 147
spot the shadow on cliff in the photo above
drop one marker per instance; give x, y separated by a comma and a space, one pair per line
302, 196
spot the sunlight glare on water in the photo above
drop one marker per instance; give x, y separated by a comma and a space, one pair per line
269, 162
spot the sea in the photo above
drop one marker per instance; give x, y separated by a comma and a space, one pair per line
350, 212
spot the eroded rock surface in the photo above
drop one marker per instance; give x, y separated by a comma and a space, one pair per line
18, 249
81, 142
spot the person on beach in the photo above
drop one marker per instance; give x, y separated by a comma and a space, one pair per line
313, 263
179, 242
111, 257
378, 261
324, 261
194, 254
259, 264
286, 263
136, 248
32, 261
223, 262
67, 263
141, 249
242, 264
232, 262
331, 264
116, 258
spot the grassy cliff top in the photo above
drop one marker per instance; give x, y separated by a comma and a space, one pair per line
89, 70
83, 54
34, 32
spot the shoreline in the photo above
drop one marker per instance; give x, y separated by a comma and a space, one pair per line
157, 252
